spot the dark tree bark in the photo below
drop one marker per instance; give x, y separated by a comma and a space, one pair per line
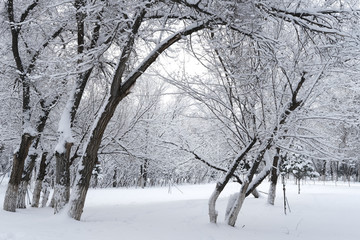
274, 177
115, 183
17, 169
26, 138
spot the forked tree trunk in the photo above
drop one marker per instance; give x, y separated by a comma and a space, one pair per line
221, 184
16, 173
62, 185
39, 180
235, 209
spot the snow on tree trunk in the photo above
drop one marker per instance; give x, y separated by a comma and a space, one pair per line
62, 179
39, 180
36, 193
16, 173
21, 199
272, 193
231, 202
274, 178
221, 184
89, 158
212, 203
234, 209
25, 180
45, 198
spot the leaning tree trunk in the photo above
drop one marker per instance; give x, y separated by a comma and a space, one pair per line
89, 158
16, 173
39, 180
221, 184
235, 208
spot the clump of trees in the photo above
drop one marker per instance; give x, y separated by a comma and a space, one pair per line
89, 92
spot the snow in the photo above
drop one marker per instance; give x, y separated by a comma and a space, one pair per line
322, 211
27, 127
64, 128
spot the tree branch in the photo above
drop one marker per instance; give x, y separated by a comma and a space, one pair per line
28, 10
197, 157
136, 73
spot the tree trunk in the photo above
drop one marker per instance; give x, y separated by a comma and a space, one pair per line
36, 193
235, 209
46, 194
143, 174
274, 178
221, 184
39, 180
284, 192
89, 158
62, 179
323, 172
21, 199
114, 184
25, 180
16, 173
213, 214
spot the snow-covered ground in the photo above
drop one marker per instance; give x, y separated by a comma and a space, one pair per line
321, 211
